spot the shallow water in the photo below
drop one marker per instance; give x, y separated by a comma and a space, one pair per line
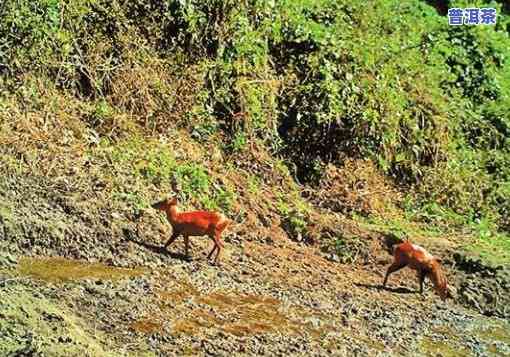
488, 337
193, 313
56, 269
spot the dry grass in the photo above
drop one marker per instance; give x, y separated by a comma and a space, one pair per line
156, 94
358, 186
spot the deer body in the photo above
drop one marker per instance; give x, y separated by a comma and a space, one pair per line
417, 258
196, 223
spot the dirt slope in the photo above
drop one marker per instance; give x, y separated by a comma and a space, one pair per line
270, 296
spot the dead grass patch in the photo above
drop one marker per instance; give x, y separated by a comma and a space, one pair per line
357, 186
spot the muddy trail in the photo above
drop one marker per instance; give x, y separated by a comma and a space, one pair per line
99, 283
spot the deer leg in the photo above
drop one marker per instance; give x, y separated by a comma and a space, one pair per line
219, 245
186, 245
212, 251
393, 268
421, 279
172, 239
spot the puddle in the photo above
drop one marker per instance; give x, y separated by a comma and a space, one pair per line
494, 338
238, 314
146, 326
431, 347
223, 301
336, 345
495, 333
189, 326
245, 315
58, 269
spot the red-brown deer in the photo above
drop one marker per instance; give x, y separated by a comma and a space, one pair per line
197, 223
417, 258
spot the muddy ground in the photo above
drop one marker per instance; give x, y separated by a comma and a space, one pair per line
77, 279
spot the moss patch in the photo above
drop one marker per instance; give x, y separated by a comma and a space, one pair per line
35, 325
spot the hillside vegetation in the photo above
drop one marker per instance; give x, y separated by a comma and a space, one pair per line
313, 124
308, 82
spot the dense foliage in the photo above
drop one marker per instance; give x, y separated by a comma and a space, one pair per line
316, 81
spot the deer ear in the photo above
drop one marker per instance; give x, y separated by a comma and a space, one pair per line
175, 186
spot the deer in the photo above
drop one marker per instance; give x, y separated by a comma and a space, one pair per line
417, 258
196, 223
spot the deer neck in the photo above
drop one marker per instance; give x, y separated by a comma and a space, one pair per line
438, 278
173, 214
